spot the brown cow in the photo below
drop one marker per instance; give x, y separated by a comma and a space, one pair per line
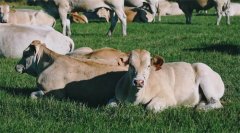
62, 76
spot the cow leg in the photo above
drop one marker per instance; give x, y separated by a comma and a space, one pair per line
64, 21
36, 94
112, 102
188, 16
219, 12
114, 20
211, 91
158, 104
153, 9
122, 17
119, 13
227, 12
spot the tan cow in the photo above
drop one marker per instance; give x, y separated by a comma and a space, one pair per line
138, 15
105, 55
160, 85
62, 76
25, 16
84, 17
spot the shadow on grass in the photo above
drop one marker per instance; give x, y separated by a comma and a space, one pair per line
174, 23
231, 49
18, 91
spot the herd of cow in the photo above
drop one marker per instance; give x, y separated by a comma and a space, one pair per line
107, 75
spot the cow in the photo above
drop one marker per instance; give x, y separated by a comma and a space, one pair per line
222, 6
25, 16
158, 85
104, 55
235, 9
62, 76
86, 16
79, 18
152, 4
116, 8
168, 8
15, 38
138, 15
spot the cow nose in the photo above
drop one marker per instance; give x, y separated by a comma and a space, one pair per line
138, 82
19, 68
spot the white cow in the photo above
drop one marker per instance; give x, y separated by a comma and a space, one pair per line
158, 85
25, 16
168, 8
116, 7
15, 38
235, 9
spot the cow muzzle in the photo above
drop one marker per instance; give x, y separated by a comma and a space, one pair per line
138, 82
20, 68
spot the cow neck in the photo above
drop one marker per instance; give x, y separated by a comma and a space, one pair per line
46, 58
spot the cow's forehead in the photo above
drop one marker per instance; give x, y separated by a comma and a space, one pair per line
140, 58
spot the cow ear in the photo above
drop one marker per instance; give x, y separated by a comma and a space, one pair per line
157, 62
123, 61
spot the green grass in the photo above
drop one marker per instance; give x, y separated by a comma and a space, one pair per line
203, 41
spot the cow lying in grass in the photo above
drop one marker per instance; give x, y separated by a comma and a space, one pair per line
104, 55
25, 16
161, 85
15, 38
62, 76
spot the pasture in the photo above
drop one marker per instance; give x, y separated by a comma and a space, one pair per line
203, 41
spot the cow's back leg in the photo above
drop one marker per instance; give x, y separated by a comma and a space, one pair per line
63, 11
119, 13
219, 6
227, 12
114, 19
212, 87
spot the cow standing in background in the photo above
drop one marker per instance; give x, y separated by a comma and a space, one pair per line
222, 6
64, 7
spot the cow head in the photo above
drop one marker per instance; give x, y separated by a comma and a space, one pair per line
4, 13
140, 65
30, 59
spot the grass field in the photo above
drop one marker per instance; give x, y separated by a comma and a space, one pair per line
203, 41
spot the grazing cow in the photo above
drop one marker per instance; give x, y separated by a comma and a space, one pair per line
138, 15
222, 6
25, 16
15, 38
159, 85
62, 76
65, 6
105, 55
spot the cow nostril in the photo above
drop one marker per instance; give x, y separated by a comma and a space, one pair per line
135, 82
138, 83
